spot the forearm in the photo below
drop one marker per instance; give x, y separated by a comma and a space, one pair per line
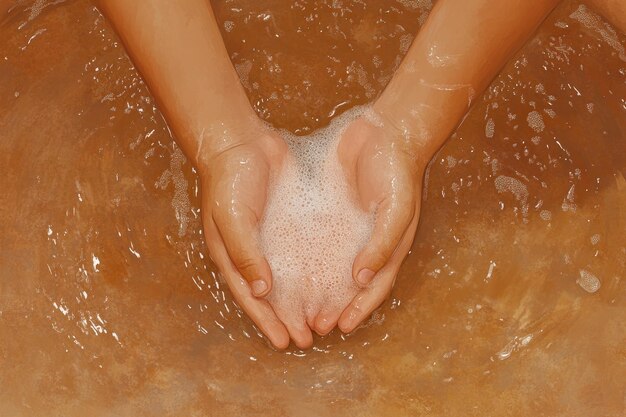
460, 49
177, 47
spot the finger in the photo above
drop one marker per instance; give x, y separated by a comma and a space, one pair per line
238, 228
300, 334
393, 216
298, 330
257, 309
260, 311
365, 302
371, 297
326, 320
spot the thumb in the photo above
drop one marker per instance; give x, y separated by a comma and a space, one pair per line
392, 218
238, 229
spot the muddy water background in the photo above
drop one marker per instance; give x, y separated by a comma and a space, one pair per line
511, 302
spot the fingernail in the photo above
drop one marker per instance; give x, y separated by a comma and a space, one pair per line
323, 326
365, 276
258, 287
346, 328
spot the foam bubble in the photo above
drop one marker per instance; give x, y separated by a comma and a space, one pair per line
313, 228
588, 281
490, 128
229, 25
504, 183
594, 22
550, 113
180, 200
535, 121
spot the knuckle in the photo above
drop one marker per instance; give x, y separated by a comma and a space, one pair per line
377, 255
384, 254
247, 266
382, 245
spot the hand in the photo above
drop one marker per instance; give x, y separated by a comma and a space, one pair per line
235, 183
385, 167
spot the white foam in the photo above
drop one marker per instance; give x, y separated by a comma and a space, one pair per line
490, 128
313, 228
504, 183
535, 121
588, 281
594, 22
180, 200
546, 215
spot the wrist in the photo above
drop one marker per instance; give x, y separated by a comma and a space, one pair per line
411, 126
217, 136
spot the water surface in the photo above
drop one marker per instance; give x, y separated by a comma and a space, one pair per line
511, 302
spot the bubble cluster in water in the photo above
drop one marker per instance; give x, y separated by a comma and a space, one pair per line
535, 121
313, 228
504, 183
595, 23
588, 281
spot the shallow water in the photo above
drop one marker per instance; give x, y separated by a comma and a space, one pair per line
511, 302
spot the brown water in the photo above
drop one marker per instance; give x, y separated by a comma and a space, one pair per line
510, 304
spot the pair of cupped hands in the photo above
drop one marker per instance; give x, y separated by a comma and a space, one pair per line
384, 170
